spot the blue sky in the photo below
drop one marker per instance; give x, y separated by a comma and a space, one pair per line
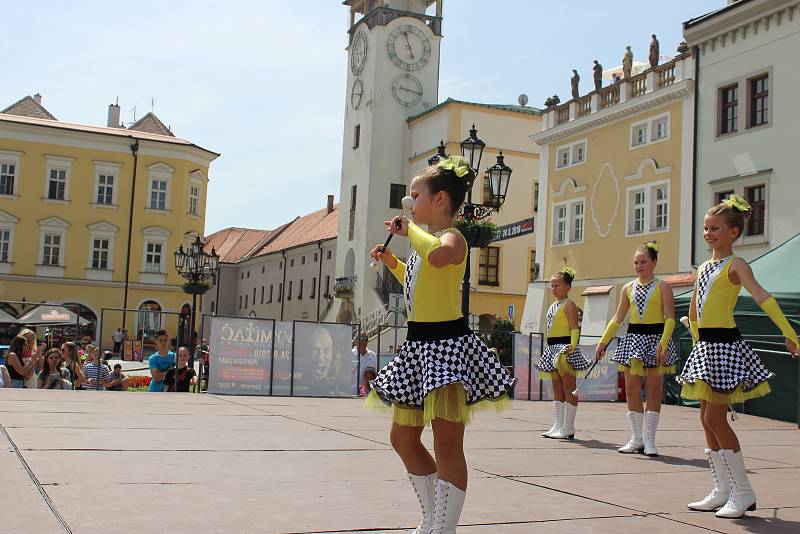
264, 82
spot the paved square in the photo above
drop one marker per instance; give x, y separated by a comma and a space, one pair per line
137, 462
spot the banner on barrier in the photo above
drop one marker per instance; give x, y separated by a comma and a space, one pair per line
241, 356
601, 385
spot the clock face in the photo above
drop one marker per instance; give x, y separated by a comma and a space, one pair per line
407, 90
358, 53
409, 48
356, 94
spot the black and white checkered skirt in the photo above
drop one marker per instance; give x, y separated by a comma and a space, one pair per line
724, 364
548, 363
643, 347
425, 364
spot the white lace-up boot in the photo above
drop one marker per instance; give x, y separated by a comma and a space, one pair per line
742, 497
558, 418
719, 495
650, 434
425, 488
567, 430
447, 509
636, 443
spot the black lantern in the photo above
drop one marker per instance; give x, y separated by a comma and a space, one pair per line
472, 149
499, 177
440, 154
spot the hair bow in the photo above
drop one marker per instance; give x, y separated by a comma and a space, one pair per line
568, 271
457, 164
652, 245
737, 202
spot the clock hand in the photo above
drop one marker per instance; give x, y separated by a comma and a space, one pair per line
410, 90
408, 45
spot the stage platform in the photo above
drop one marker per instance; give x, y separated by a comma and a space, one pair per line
109, 462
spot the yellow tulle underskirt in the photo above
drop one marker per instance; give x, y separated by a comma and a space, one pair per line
701, 391
637, 368
447, 402
564, 368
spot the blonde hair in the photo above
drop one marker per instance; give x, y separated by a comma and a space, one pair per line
734, 210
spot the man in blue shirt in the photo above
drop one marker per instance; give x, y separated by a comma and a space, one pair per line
160, 361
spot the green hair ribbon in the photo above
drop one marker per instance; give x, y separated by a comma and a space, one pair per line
737, 202
457, 164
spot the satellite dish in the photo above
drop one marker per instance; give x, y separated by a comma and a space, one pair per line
523, 99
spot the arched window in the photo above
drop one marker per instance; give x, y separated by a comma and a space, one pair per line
148, 320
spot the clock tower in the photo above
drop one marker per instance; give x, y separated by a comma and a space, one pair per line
393, 74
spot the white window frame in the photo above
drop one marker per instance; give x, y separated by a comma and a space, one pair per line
101, 230
59, 163
160, 253
649, 208
11, 157
52, 226
106, 169
571, 150
738, 186
650, 127
570, 222
8, 223
161, 172
154, 235
199, 186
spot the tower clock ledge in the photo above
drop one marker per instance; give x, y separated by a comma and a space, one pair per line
382, 12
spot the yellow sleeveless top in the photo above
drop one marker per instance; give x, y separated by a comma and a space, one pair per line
432, 294
715, 294
557, 321
646, 306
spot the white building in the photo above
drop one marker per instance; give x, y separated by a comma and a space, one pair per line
747, 136
282, 274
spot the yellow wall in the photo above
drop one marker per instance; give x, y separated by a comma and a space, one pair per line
609, 157
29, 207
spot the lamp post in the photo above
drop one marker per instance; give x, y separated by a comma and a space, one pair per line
195, 265
499, 176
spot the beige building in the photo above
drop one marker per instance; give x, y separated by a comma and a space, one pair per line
500, 273
283, 274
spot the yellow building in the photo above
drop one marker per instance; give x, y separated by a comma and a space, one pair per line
500, 273
616, 171
75, 227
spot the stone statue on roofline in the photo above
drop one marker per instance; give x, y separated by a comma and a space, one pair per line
627, 63
654, 52
598, 75
574, 81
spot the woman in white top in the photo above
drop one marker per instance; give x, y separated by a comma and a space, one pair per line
5, 380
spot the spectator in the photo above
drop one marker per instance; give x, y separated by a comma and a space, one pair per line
391, 349
362, 358
186, 375
369, 375
160, 361
18, 371
31, 349
117, 380
118, 336
5, 378
95, 372
50, 377
72, 363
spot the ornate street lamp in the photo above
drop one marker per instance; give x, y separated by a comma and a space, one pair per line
196, 266
440, 154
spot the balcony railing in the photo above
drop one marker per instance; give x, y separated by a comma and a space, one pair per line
679, 69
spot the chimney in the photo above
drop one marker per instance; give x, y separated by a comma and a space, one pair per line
330, 204
113, 115
38, 98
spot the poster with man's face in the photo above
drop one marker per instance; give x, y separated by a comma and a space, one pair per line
322, 360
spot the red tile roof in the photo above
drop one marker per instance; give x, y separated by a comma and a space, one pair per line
680, 280
597, 290
239, 244
29, 107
